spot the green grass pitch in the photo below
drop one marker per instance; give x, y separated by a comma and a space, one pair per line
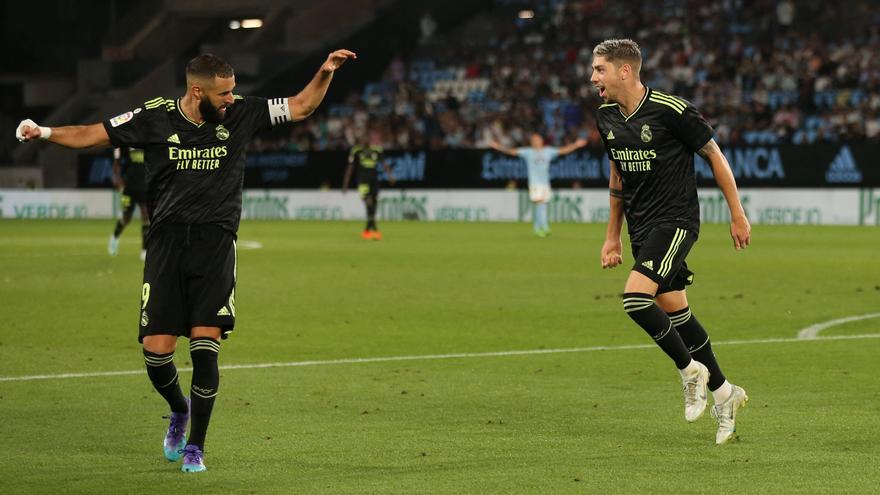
591, 421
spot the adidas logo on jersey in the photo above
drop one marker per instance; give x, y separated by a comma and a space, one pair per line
610, 135
223, 311
648, 264
174, 139
843, 168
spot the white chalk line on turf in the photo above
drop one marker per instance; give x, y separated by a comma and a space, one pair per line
430, 357
243, 244
812, 331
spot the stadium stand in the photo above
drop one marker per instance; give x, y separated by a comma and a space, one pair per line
442, 75
135, 50
758, 76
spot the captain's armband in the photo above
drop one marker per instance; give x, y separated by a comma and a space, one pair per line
615, 193
279, 111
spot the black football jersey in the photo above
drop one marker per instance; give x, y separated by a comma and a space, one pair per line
653, 150
366, 159
133, 170
196, 171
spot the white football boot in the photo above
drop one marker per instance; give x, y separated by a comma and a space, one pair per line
725, 413
695, 388
113, 246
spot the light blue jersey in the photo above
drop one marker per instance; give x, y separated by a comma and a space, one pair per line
538, 163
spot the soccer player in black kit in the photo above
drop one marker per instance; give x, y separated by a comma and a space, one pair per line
193, 148
367, 156
651, 138
129, 177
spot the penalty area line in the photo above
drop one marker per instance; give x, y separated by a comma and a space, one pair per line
432, 357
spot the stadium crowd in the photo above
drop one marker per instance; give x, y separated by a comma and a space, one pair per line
761, 71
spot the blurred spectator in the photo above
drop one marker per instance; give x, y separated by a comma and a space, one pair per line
785, 13
427, 26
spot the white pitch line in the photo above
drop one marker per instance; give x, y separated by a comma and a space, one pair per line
430, 357
812, 331
249, 244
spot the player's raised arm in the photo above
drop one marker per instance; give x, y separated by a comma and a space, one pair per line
303, 104
612, 251
495, 145
72, 136
580, 143
740, 230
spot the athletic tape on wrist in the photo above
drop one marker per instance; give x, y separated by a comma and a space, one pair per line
18, 130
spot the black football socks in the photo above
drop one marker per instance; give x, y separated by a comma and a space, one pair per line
163, 374
205, 382
645, 312
697, 341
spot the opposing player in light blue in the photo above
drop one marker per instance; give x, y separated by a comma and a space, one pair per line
538, 158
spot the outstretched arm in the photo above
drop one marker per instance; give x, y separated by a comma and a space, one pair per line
303, 104
612, 250
740, 230
580, 143
72, 136
502, 149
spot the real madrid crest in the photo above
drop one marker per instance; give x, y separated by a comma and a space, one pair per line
646, 133
223, 134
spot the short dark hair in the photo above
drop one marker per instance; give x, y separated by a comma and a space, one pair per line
620, 49
208, 66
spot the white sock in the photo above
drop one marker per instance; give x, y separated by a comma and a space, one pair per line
690, 369
722, 393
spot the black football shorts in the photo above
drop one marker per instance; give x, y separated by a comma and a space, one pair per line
131, 197
661, 257
189, 280
368, 189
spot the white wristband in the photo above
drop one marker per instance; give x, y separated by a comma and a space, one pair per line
45, 133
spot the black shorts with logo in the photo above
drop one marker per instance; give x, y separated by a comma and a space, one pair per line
131, 197
369, 189
189, 280
661, 257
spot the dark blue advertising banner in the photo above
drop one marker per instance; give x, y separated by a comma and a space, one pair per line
823, 165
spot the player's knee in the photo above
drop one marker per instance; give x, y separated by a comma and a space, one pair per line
160, 344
